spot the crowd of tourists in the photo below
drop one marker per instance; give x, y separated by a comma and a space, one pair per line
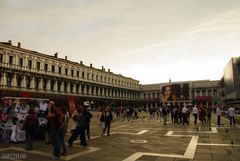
24, 120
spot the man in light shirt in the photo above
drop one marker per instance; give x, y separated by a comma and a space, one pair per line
195, 114
184, 113
231, 114
218, 112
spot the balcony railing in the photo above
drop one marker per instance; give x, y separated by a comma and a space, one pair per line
50, 73
34, 90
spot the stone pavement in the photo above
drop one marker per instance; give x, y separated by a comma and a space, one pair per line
143, 140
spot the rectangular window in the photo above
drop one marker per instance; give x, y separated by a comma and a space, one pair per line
59, 70
92, 76
198, 93
209, 93
10, 60
203, 93
20, 62
1, 58
82, 74
215, 93
77, 73
53, 68
66, 71
29, 63
46, 67
72, 73
38, 65
87, 75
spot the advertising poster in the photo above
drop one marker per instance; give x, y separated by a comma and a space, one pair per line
175, 92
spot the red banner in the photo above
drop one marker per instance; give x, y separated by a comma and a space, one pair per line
71, 104
204, 98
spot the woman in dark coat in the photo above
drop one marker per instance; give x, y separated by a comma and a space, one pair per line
30, 126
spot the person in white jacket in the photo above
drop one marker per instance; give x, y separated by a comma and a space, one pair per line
218, 112
231, 114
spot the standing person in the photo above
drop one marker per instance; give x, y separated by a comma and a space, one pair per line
87, 118
63, 130
195, 114
30, 126
218, 112
108, 120
209, 115
201, 115
232, 114
55, 119
184, 113
101, 119
164, 114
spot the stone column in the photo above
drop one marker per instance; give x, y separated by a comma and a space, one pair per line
6, 57
107, 92
68, 87
32, 83
15, 80
48, 85
110, 93
4, 79
80, 88
74, 88
55, 87
94, 90
62, 87
90, 90
85, 89
23, 85
40, 84
99, 91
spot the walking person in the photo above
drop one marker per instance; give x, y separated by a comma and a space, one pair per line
218, 112
80, 129
108, 120
209, 115
232, 114
30, 125
184, 113
87, 118
195, 114
55, 118
164, 114
101, 119
63, 130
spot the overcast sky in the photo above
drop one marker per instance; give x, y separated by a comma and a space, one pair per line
147, 40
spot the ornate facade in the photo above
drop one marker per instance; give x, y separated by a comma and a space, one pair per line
32, 74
